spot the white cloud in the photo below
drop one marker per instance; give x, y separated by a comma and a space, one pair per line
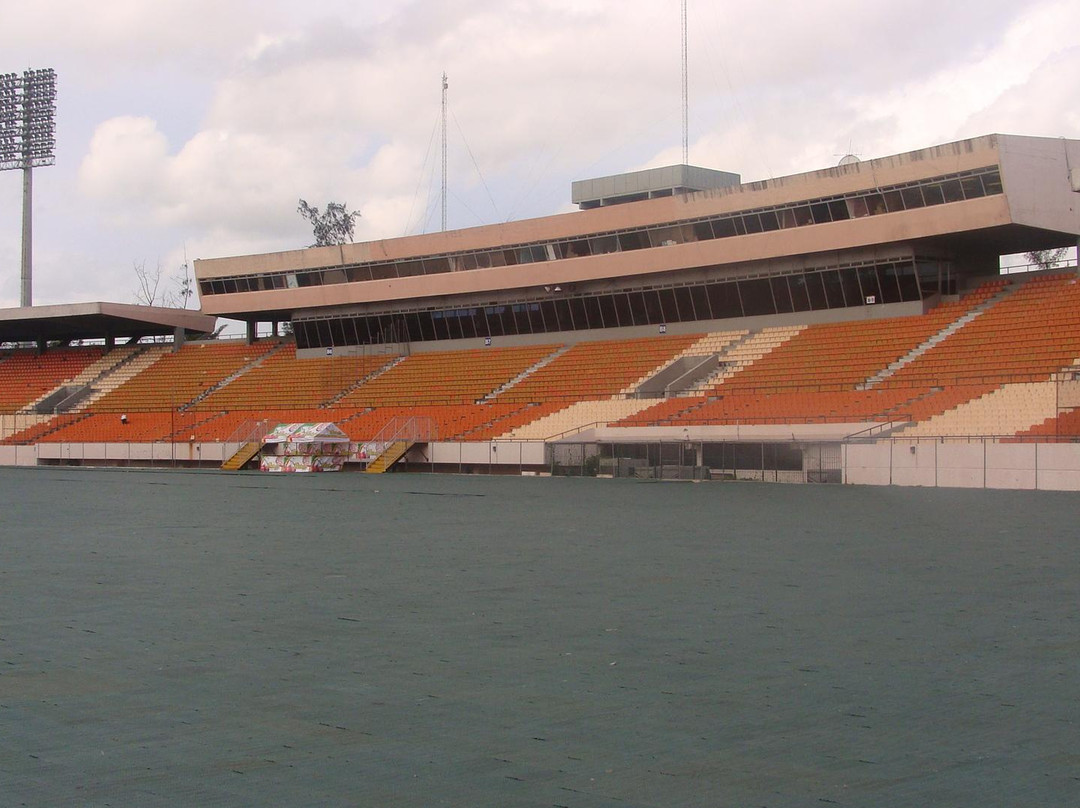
203, 121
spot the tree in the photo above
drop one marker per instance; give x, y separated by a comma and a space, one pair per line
150, 292
1046, 259
334, 226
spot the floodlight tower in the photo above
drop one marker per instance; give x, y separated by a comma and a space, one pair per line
27, 141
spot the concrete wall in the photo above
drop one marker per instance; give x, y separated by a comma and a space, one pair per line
964, 465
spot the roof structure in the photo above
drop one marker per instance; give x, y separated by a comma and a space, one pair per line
108, 321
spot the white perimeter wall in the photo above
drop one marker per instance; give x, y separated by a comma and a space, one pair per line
1046, 466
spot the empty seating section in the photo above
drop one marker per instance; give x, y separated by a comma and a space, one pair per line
598, 369
1006, 410
281, 380
26, 375
1023, 338
981, 365
769, 408
579, 415
176, 378
839, 356
446, 377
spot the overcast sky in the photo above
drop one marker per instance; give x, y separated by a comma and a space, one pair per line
192, 127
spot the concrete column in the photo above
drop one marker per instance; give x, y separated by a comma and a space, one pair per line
252, 329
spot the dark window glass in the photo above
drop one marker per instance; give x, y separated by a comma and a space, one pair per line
815, 291
601, 245
639, 314
834, 288
820, 212
500, 321
952, 191
781, 294
562, 312
468, 323
933, 195
337, 333
636, 240
516, 321
669, 312
535, 317
591, 311
381, 272
724, 300
497, 258
992, 183
802, 215
751, 223
510, 257
323, 330
769, 221
800, 298
893, 201
439, 322
909, 283
701, 303
757, 297
468, 261
838, 210
703, 231
684, 302
724, 228
849, 279
972, 187
547, 312
622, 309
453, 325
875, 204
890, 285
230, 286
607, 310
300, 329
483, 260
912, 198
577, 312
427, 328
206, 287
868, 279
436, 266
575, 249
407, 269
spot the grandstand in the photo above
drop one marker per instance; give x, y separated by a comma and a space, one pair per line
837, 314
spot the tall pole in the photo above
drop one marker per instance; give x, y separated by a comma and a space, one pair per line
26, 293
685, 92
444, 88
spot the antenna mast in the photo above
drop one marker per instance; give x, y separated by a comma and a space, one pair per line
685, 93
445, 85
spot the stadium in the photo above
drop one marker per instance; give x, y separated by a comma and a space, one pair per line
850, 324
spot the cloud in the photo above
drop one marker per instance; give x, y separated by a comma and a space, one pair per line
203, 121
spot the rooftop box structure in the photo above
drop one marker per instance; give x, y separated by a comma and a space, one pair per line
648, 184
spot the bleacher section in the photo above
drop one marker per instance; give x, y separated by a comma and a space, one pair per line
26, 376
979, 365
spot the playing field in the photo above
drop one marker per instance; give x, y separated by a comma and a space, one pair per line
201, 639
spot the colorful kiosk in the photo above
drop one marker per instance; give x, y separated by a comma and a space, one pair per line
305, 447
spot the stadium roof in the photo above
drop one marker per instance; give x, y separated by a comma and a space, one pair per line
68, 322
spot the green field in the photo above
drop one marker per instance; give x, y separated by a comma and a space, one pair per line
196, 639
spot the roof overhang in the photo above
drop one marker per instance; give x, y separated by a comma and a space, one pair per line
73, 321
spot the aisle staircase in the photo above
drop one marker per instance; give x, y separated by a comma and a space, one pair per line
245, 453
390, 455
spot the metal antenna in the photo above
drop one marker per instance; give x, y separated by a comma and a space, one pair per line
685, 93
445, 85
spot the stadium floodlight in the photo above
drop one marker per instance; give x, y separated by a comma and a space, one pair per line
27, 141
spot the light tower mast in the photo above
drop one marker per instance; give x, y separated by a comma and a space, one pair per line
27, 141
445, 85
685, 92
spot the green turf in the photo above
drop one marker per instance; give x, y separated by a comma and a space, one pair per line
196, 639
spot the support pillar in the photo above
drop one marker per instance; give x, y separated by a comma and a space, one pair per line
26, 292
252, 330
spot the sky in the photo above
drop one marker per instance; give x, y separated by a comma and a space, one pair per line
191, 128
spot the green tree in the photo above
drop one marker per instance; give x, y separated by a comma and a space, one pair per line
332, 226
